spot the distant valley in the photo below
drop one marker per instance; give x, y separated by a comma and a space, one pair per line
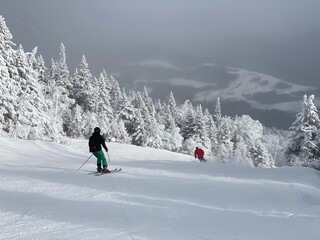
270, 100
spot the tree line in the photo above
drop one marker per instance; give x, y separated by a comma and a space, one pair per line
49, 103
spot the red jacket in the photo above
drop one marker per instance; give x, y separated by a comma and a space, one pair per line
198, 153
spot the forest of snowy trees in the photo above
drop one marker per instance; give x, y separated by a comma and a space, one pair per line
47, 102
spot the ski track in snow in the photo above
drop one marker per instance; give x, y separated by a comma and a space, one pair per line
43, 197
141, 173
70, 192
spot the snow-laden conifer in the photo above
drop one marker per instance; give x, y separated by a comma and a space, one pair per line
117, 131
75, 128
104, 112
7, 50
116, 98
154, 132
9, 86
188, 129
172, 139
83, 89
217, 111
247, 136
32, 118
138, 129
223, 151
42, 73
303, 139
177, 114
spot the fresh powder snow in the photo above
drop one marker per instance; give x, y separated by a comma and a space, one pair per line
158, 195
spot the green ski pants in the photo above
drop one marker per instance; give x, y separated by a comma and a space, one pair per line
100, 158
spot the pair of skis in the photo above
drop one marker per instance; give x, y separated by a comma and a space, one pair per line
104, 173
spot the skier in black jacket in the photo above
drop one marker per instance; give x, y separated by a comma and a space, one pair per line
95, 142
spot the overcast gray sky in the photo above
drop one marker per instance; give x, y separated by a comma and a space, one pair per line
277, 37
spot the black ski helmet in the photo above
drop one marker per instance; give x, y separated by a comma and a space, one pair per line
97, 130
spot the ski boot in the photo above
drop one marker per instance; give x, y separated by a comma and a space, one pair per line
99, 169
105, 169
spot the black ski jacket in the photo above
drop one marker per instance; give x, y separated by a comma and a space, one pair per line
95, 142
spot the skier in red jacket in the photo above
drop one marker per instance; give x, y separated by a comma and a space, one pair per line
199, 153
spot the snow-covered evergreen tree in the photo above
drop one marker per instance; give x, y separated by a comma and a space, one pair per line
83, 89
172, 139
117, 131
154, 132
194, 127
129, 114
303, 144
76, 122
138, 129
51, 78
188, 128
89, 123
7, 48
58, 92
116, 98
42, 73
211, 129
177, 114
201, 130
32, 58
9, 86
171, 102
32, 118
217, 111
276, 141
140, 104
247, 135
63, 78
223, 151
104, 112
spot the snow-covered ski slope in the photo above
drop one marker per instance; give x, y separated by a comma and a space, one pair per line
158, 195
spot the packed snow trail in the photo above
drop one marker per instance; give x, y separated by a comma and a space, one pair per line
157, 195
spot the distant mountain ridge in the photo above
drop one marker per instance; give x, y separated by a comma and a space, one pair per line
240, 91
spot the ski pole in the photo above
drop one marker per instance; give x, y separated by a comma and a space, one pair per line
85, 162
109, 157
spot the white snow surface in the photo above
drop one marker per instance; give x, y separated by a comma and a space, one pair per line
157, 195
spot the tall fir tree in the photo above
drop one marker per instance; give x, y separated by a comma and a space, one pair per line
224, 150
60, 92
104, 109
63, 78
32, 118
83, 90
303, 139
147, 99
188, 128
116, 99
42, 73
201, 134
172, 139
7, 50
153, 132
138, 129
176, 113
247, 138
117, 132
9, 86
211, 129
217, 111
76, 123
